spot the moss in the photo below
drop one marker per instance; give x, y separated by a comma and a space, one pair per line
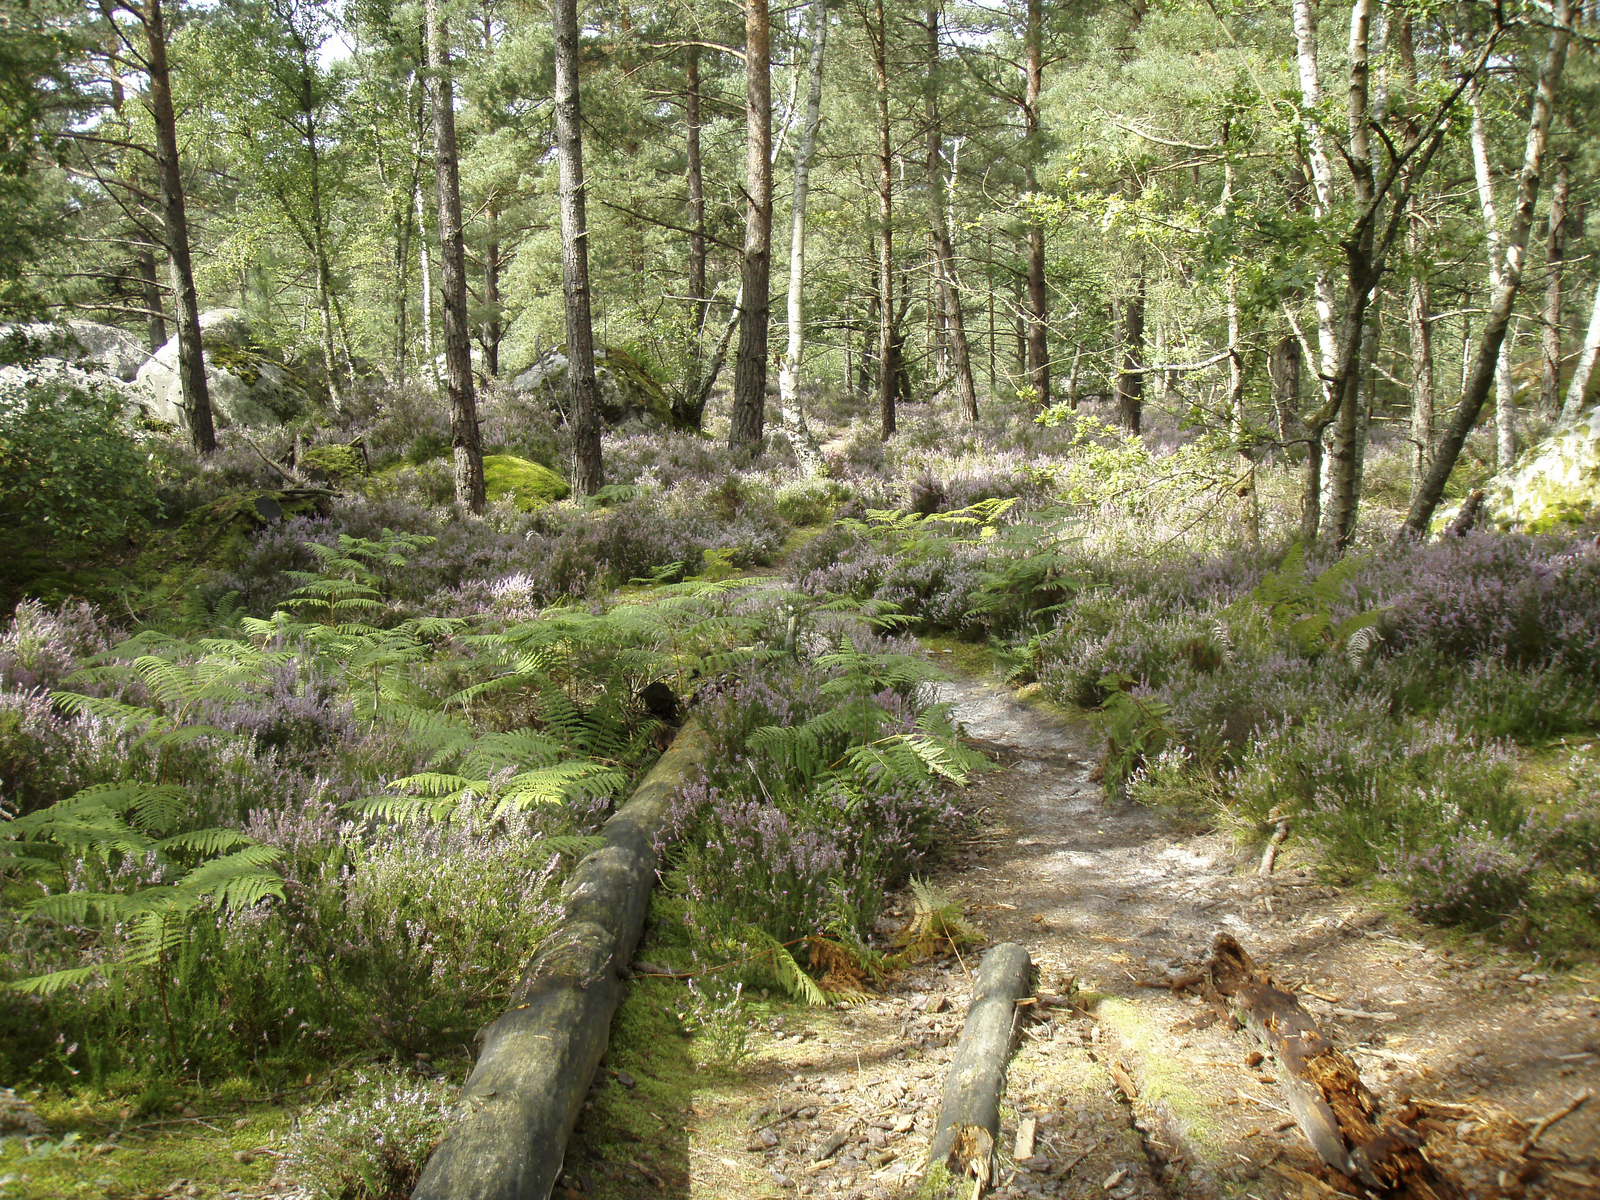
1161, 1082
337, 462
145, 1158
625, 1128
530, 485
635, 385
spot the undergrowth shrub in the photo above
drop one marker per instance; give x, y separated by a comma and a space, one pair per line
1474, 878
826, 784
373, 1142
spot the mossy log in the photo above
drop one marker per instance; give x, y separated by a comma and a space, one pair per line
521, 1101
1343, 1121
969, 1114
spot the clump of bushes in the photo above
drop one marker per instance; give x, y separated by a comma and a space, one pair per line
373, 1142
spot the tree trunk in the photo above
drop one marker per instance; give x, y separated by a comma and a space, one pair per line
175, 222
1419, 301
1420, 316
575, 254
954, 325
318, 231
424, 261
697, 200
1349, 439
491, 292
969, 1112
1342, 1120
1305, 34
789, 372
1283, 369
1504, 388
1038, 330
1577, 389
750, 368
464, 437
687, 411
1130, 382
155, 314
888, 359
539, 1057
1499, 315
1235, 408
1555, 253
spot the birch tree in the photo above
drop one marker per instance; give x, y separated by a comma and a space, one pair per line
1486, 357
789, 371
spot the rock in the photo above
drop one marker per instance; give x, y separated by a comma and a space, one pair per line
528, 484
96, 348
248, 381
1554, 483
627, 392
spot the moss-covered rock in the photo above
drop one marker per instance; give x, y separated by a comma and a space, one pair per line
1553, 484
249, 382
628, 392
336, 462
527, 484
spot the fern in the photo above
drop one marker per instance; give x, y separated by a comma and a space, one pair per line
1300, 607
791, 976
937, 925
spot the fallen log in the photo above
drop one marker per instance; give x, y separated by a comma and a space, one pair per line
969, 1114
1342, 1120
521, 1101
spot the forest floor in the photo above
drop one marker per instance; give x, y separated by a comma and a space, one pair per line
1134, 1091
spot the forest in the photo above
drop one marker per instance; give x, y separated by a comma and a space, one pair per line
868, 599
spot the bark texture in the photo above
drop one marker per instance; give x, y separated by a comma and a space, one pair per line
750, 366
1342, 1120
969, 1114
465, 442
789, 373
175, 227
575, 254
1130, 381
1555, 253
1038, 300
521, 1101
888, 356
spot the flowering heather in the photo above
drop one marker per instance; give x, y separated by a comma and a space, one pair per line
41, 646
373, 1142
1474, 878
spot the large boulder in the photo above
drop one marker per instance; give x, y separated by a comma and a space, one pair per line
115, 351
627, 392
248, 381
90, 347
1554, 483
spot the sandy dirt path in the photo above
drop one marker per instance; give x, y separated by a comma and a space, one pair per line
1138, 1093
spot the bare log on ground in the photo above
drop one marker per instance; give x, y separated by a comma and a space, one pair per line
1343, 1120
522, 1099
969, 1114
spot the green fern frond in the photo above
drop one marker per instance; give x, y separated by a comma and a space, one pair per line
49, 985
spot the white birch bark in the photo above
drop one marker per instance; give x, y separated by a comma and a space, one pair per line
1305, 37
789, 371
1579, 386
1504, 388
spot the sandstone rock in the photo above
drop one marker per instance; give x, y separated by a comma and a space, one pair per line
249, 383
627, 392
1552, 484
